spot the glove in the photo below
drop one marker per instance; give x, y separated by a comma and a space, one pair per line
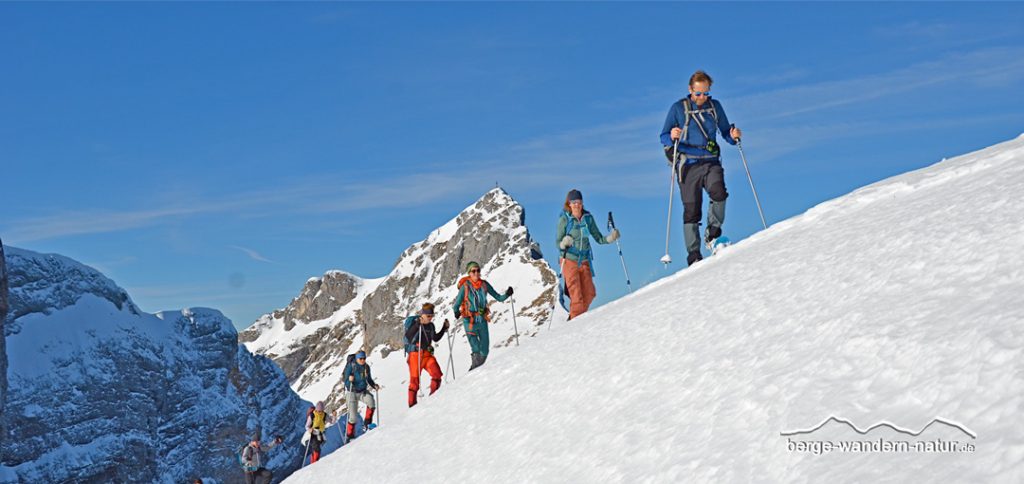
445, 324
566, 242
613, 236
509, 291
456, 313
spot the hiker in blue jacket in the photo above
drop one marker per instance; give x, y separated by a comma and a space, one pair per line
694, 122
358, 381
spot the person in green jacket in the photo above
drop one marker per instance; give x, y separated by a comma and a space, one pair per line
575, 255
471, 307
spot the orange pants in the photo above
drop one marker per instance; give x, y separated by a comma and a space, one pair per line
579, 285
429, 364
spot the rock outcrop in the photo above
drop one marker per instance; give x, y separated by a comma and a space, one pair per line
103, 392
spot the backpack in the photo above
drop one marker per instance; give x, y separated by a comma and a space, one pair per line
410, 346
319, 421
464, 311
241, 460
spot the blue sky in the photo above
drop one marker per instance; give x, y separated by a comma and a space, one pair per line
221, 154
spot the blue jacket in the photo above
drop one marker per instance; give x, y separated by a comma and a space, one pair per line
362, 374
693, 145
580, 250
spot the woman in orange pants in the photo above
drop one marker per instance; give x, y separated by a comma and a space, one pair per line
420, 337
576, 257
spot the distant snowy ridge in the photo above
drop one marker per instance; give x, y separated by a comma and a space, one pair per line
896, 303
339, 313
102, 392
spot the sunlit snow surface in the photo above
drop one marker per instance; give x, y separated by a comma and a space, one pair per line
901, 302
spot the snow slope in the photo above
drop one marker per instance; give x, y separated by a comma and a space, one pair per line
901, 302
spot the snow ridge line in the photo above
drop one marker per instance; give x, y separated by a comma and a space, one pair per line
833, 418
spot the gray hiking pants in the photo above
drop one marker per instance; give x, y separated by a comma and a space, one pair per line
353, 399
694, 180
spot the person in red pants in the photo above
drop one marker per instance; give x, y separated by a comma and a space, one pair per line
575, 228
420, 337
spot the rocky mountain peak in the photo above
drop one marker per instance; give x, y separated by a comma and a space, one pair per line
492, 231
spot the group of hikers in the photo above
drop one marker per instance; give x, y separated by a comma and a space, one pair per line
689, 138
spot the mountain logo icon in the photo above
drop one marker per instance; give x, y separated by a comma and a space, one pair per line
848, 423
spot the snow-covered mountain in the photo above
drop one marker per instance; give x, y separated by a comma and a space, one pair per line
339, 313
3, 342
103, 392
901, 302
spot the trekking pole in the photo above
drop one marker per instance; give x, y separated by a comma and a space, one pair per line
307, 450
337, 423
611, 225
667, 259
419, 362
451, 361
376, 396
760, 212
514, 324
561, 289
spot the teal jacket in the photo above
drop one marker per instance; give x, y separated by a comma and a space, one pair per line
363, 378
476, 301
580, 250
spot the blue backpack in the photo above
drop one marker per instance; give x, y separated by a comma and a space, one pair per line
410, 346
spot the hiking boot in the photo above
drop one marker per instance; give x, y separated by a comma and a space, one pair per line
711, 233
693, 257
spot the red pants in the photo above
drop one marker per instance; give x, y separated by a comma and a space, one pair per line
580, 286
430, 364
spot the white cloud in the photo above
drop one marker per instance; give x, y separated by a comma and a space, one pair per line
252, 254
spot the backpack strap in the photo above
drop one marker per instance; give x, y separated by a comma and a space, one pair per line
569, 221
686, 117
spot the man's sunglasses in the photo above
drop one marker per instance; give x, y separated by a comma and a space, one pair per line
474, 271
701, 93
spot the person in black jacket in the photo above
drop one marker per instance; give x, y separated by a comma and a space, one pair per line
420, 336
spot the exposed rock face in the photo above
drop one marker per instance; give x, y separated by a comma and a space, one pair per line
320, 298
102, 392
335, 315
